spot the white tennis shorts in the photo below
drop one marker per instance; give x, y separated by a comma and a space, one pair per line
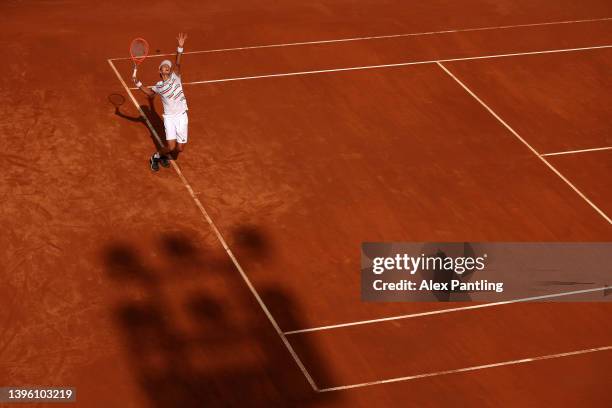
176, 127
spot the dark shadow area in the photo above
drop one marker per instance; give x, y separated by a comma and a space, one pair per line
177, 245
189, 259
116, 99
156, 121
252, 241
125, 266
217, 348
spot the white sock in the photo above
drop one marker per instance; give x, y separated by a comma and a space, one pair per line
156, 155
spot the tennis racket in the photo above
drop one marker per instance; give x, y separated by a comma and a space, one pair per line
139, 49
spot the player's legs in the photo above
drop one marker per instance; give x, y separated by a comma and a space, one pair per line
166, 152
182, 129
182, 134
161, 156
176, 139
170, 147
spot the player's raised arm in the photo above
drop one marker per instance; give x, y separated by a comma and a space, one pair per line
140, 86
179, 52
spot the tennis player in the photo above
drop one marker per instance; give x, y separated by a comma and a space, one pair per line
170, 90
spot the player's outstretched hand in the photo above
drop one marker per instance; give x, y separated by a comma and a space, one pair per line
137, 83
181, 39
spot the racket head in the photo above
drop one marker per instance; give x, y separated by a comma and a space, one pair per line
116, 100
139, 49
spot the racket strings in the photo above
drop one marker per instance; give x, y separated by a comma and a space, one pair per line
139, 50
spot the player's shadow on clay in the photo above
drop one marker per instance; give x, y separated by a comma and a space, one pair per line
194, 334
154, 118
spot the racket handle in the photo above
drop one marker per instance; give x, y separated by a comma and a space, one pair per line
134, 74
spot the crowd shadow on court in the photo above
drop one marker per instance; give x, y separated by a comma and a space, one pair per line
155, 119
252, 242
194, 334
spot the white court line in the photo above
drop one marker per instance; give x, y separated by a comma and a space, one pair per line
229, 252
550, 166
596, 149
467, 369
442, 311
400, 64
378, 37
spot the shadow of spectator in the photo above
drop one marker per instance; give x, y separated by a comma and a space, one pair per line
195, 336
252, 243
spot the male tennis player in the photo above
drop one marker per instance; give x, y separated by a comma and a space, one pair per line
170, 90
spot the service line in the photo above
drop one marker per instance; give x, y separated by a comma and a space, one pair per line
400, 64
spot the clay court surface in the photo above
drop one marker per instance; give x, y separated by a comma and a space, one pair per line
232, 278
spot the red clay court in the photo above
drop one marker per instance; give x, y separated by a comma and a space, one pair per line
231, 279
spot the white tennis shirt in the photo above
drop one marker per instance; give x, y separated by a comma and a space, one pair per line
172, 96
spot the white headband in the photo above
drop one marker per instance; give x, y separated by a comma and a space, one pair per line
165, 62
